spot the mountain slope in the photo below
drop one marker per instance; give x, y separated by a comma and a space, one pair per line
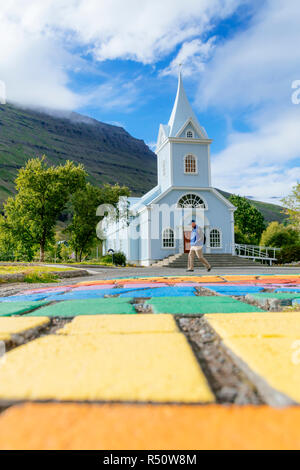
108, 152
271, 212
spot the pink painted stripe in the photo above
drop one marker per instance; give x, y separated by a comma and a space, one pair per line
45, 290
139, 286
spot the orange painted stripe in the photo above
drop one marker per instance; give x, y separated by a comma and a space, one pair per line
139, 281
240, 277
84, 426
94, 283
200, 279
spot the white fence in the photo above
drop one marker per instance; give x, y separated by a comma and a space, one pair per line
261, 253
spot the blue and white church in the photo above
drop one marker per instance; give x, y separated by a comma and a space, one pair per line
157, 224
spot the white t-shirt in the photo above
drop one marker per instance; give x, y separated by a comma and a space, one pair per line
197, 237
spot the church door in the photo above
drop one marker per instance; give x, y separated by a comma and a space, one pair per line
187, 237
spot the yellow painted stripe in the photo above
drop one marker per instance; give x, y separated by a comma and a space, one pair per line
280, 276
269, 324
120, 324
17, 325
272, 358
143, 367
269, 344
240, 277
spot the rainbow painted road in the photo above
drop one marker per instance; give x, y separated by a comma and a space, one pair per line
170, 362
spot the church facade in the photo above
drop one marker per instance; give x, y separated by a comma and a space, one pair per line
157, 225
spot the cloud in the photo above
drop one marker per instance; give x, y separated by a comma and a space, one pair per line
42, 42
32, 66
261, 162
193, 56
143, 32
249, 80
117, 94
257, 66
152, 145
248, 77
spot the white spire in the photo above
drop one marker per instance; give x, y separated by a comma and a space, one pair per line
182, 110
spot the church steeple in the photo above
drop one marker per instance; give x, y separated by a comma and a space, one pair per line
182, 148
182, 111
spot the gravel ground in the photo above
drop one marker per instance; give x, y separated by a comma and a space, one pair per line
227, 381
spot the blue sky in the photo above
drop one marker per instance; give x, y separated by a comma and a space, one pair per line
117, 61
156, 93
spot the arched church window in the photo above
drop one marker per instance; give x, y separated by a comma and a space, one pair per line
168, 238
190, 134
190, 164
215, 238
191, 201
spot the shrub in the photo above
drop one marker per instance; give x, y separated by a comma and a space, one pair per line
241, 238
106, 259
33, 277
279, 235
119, 258
288, 254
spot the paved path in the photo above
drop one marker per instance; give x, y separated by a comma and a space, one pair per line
108, 272
151, 361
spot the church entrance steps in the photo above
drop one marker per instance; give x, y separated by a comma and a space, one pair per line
215, 260
167, 260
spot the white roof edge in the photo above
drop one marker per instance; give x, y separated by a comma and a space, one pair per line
198, 128
219, 195
224, 199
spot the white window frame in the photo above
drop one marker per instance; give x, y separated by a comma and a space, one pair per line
163, 237
221, 238
186, 134
196, 164
192, 194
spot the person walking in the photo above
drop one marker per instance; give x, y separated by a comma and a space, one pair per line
197, 242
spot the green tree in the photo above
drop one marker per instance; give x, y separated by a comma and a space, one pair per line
16, 239
7, 244
279, 235
248, 221
42, 194
82, 230
292, 206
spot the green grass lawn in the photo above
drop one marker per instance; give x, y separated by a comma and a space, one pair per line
105, 261
24, 269
98, 262
31, 273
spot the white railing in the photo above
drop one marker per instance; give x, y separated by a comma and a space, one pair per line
262, 253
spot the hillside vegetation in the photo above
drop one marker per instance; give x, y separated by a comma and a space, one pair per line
108, 153
271, 212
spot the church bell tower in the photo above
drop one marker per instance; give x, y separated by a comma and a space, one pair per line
183, 148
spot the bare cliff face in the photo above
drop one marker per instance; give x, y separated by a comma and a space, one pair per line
109, 153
